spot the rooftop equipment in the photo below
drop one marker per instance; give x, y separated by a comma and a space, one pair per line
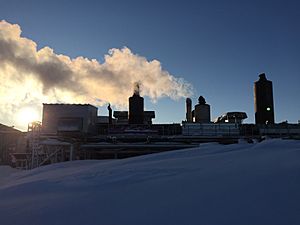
232, 117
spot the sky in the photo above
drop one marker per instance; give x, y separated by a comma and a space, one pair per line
215, 49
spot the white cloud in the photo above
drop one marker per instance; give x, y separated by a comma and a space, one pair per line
30, 76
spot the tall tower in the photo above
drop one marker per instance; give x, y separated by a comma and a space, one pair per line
136, 107
189, 117
263, 101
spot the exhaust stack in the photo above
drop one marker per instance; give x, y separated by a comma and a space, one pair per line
189, 117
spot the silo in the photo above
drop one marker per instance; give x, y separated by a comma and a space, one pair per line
202, 111
136, 107
263, 101
189, 117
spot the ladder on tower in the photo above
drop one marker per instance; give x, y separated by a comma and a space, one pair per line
34, 147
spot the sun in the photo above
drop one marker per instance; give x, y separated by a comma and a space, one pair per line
27, 115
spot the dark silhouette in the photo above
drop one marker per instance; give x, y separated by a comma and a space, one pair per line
201, 100
109, 114
136, 106
263, 101
189, 116
202, 111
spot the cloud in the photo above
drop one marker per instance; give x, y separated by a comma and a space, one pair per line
30, 76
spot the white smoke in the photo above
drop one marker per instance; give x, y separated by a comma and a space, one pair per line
30, 76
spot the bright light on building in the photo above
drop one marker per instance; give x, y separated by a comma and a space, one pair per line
268, 109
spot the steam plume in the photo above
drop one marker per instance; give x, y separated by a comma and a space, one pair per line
30, 76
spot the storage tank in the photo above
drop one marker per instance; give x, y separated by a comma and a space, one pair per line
202, 111
263, 101
136, 107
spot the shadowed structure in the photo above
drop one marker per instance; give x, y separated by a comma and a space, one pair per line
202, 111
109, 114
136, 107
189, 116
263, 101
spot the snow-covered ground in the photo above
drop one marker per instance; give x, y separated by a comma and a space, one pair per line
214, 184
5, 172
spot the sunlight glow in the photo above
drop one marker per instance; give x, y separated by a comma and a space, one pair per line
27, 115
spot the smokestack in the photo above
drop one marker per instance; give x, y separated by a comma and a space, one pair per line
189, 117
263, 101
136, 106
109, 114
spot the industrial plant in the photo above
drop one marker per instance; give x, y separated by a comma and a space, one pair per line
77, 132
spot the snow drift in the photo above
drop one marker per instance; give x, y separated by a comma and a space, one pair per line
213, 184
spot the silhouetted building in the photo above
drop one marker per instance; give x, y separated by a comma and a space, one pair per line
148, 116
121, 117
136, 107
263, 101
11, 141
189, 116
71, 118
202, 111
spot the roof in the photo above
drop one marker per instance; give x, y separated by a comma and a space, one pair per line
69, 104
7, 129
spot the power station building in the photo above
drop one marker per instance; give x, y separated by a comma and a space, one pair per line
263, 101
121, 134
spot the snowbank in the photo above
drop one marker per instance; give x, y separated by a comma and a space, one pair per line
213, 184
5, 172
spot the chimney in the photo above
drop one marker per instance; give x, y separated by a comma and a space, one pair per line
109, 114
189, 117
136, 106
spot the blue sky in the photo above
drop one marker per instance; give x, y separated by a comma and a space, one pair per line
220, 47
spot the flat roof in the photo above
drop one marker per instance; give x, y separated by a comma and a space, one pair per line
69, 104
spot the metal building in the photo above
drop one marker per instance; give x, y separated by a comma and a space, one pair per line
76, 118
263, 101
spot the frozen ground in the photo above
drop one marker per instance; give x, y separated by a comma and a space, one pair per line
242, 184
5, 172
